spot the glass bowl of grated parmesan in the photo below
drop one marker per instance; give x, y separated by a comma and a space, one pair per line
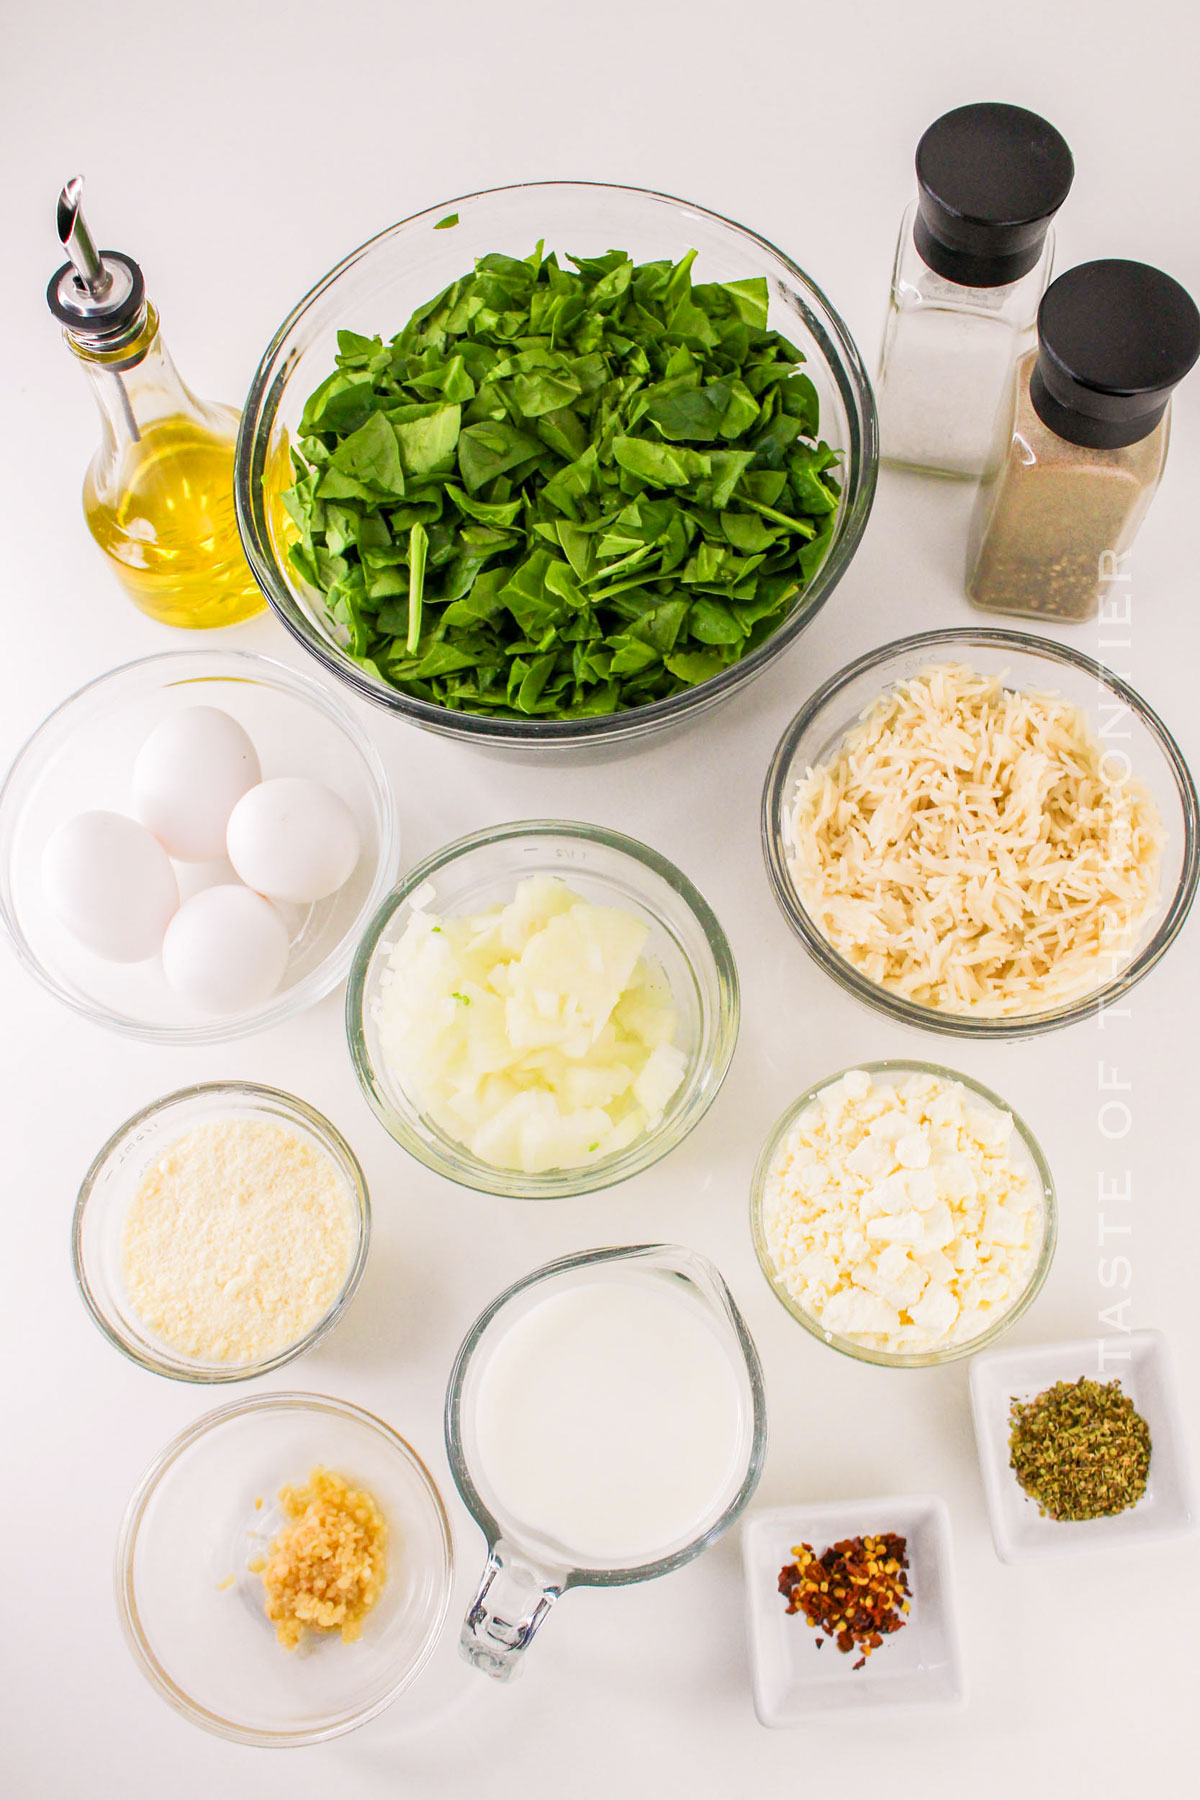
221, 1232
981, 833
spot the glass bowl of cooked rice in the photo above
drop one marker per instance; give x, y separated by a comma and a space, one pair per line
981, 833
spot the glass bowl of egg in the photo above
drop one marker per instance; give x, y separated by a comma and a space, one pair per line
191, 845
903, 1213
542, 1009
220, 1232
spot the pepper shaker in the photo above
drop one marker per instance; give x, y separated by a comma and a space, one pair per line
1083, 455
972, 263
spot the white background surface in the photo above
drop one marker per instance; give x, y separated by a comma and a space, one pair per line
238, 151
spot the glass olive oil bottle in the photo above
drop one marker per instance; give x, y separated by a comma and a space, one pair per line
158, 494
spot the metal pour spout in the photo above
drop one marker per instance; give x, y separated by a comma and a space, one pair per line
99, 296
78, 242
96, 294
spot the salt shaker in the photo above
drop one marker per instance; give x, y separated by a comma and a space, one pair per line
972, 263
1078, 465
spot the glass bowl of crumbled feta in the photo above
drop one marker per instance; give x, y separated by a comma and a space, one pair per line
981, 833
221, 1232
542, 1009
903, 1213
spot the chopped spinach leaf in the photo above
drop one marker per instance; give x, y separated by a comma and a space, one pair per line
563, 490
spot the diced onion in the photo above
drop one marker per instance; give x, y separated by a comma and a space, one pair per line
539, 1034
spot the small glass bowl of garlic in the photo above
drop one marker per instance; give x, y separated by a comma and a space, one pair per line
191, 845
542, 1009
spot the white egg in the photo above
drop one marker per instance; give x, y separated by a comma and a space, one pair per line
293, 839
111, 884
189, 775
225, 950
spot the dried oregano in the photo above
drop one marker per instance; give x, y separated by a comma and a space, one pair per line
1081, 1449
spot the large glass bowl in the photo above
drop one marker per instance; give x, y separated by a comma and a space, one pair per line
109, 1188
192, 1609
608, 869
379, 285
1026, 1147
82, 757
1128, 727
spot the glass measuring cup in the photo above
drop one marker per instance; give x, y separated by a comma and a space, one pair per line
528, 1566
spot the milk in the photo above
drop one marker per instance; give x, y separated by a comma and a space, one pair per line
612, 1422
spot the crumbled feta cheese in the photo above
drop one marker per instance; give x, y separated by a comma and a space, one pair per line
897, 1228
853, 1313
936, 1310
902, 1213
894, 1194
912, 1150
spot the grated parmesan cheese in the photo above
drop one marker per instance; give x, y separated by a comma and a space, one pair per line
237, 1242
970, 848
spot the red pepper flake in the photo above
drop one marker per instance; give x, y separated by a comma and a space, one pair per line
857, 1592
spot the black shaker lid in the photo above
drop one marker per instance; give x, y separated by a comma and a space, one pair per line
1114, 338
991, 179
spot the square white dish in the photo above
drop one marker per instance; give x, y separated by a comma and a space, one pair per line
1141, 1362
918, 1666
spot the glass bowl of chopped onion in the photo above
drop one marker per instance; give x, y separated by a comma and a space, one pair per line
449, 674
542, 1009
221, 1232
204, 1571
982, 833
903, 1213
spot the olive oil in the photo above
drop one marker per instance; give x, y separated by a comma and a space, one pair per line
158, 495
170, 527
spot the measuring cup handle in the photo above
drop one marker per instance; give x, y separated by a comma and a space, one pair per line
513, 1599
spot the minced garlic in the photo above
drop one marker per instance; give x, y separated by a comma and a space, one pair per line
325, 1570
